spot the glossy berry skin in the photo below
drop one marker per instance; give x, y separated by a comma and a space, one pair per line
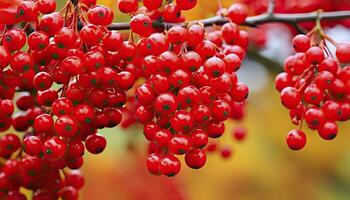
240, 92
290, 97
328, 130
179, 144
186, 4
214, 67
51, 23
100, 15
162, 137
43, 123
198, 138
301, 43
127, 6
237, 13
152, 4
315, 55
42, 81
95, 144
141, 24
165, 103
66, 126
296, 139
169, 165
54, 148
343, 52
46, 6
182, 121
153, 163
32, 145
14, 39
195, 159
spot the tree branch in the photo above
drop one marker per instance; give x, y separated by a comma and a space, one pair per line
252, 21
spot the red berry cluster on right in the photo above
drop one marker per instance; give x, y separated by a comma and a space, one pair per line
315, 87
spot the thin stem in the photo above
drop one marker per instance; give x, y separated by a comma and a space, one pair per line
252, 21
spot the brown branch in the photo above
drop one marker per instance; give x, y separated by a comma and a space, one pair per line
252, 21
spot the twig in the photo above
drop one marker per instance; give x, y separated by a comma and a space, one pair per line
252, 21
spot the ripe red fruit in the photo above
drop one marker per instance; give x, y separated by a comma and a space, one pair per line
214, 67
301, 43
237, 13
290, 97
328, 130
152, 4
66, 126
14, 39
169, 165
296, 139
128, 6
315, 55
95, 143
153, 163
43, 123
32, 145
179, 144
54, 148
141, 24
100, 15
343, 52
186, 4
196, 158
46, 6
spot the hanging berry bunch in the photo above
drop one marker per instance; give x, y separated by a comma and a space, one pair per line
314, 86
67, 88
191, 89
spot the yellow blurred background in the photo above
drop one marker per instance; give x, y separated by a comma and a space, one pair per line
262, 167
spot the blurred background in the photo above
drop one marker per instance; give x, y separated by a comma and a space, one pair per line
262, 167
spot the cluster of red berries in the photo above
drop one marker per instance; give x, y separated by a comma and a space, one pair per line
315, 87
191, 89
64, 76
70, 83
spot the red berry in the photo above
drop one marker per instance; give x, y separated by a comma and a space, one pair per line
196, 158
296, 139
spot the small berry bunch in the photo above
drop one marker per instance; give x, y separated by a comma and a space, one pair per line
315, 86
191, 89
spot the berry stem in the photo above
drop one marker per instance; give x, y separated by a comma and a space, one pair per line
252, 21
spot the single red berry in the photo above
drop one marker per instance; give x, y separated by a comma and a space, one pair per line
237, 13
290, 97
296, 139
328, 130
301, 43
196, 158
66, 126
95, 144
32, 145
153, 163
54, 148
169, 165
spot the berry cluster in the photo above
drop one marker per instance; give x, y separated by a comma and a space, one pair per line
64, 76
191, 89
69, 84
315, 86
